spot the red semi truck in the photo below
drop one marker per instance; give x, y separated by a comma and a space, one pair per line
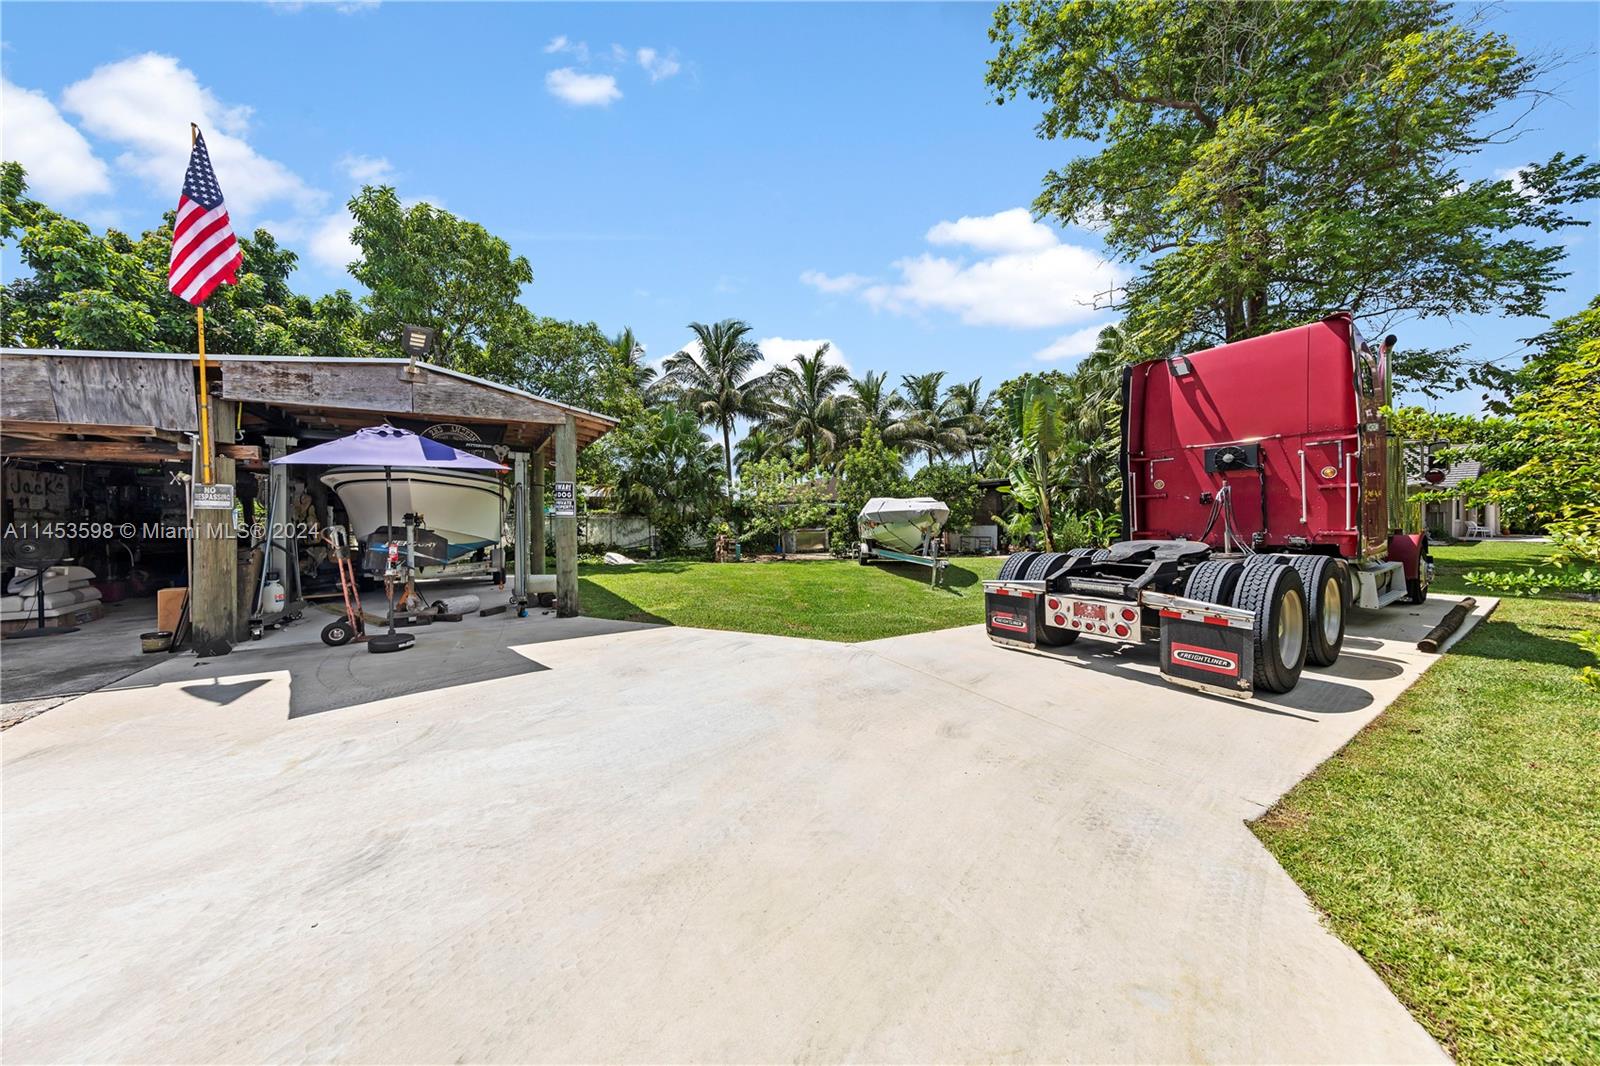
1263, 496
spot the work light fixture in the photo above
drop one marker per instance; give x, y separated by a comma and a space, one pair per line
416, 340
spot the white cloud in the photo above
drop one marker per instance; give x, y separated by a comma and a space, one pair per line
366, 169
1033, 280
329, 244
59, 161
145, 104
582, 90
657, 65
1074, 345
780, 351
563, 45
1518, 184
1007, 231
833, 284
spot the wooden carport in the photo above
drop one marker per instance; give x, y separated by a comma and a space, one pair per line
125, 407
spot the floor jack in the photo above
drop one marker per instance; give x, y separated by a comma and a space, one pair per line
352, 628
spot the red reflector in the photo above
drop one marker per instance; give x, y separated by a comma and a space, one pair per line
1025, 594
1122, 630
1103, 627
1128, 614
1168, 612
1215, 620
1061, 619
1076, 624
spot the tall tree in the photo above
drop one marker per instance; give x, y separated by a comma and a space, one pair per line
719, 383
422, 265
975, 412
805, 405
873, 404
929, 421
1268, 163
628, 352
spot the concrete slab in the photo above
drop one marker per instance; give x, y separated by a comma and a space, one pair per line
655, 844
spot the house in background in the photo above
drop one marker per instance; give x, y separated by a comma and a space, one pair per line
1452, 518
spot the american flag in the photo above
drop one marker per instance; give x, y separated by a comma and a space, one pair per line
204, 251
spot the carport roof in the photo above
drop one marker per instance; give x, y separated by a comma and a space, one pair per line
48, 390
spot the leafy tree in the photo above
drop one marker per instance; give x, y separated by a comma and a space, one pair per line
871, 404
929, 421
805, 406
869, 468
953, 483
424, 266
627, 350
667, 472
1037, 446
1267, 163
975, 412
718, 383
756, 445
777, 496
109, 291
1542, 461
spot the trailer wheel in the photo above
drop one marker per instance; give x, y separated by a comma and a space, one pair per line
1012, 569
1214, 581
1416, 591
1100, 553
1327, 597
1277, 597
1055, 638
338, 633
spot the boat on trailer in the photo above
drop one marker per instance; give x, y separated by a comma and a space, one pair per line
461, 513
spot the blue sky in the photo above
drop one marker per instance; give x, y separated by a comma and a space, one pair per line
826, 172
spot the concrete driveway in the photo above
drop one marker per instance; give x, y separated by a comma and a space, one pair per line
590, 841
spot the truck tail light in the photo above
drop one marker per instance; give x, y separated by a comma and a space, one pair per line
1122, 630
1128, 614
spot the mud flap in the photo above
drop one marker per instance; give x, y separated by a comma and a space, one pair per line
1013, 612
1208, 647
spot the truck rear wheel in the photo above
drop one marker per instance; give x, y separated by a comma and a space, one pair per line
1214, 581
1277, 598
1045, 566
1014, 567
1327, 596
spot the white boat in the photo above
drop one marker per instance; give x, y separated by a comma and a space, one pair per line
463, 509
901, 525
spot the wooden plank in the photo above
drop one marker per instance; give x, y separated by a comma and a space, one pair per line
25, 389
446, 396
354, 386
566, 526
123, 392
241, 452
214, 583
94, 451
22, 428
536, 466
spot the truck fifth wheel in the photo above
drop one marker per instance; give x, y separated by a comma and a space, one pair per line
1263, 496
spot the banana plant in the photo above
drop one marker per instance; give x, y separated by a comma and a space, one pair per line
1038, 444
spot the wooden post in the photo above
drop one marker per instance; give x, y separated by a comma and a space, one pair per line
519, 505
541, 460
213, 580
566, 524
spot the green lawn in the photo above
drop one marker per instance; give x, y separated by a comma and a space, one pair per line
821, 599
1455, 843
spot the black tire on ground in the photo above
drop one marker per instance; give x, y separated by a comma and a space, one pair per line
1213, 581
1013, 568
1416, 591
1327, 599
1055, 638
1278, 599
1045, 565
338, 633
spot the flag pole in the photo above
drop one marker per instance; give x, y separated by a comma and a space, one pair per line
205, 398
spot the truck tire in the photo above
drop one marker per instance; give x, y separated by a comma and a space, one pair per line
1013, 568
1098, 554
1055, 638
1045, 566
1327, 597
1214, 581
1079, 552
1416, 591
1277, 597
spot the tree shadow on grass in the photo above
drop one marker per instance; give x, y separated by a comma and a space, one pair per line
1493, 639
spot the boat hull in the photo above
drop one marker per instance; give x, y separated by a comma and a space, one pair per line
463, 511
901, 525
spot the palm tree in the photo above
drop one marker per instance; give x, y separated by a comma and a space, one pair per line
872, 405
975, 412
670, 476
805, 406
717, 384
754, 446
630, 353
929, 422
